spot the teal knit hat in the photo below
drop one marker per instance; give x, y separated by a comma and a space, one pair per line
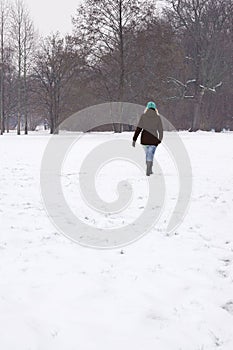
151, 105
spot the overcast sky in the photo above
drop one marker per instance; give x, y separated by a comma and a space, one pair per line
52, 15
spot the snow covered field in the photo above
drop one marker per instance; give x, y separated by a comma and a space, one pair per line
164, 292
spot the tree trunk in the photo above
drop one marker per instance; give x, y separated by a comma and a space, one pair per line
118, 127
7, 124
56, 108
18, 120
25, 100
2, 78
26, 125
51, 116
197, 111
1, 102
19, 91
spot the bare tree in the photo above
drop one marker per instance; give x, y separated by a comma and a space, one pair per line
157, 53
202, 25
28, 43
55, 65
101, 28
10, 86
21, 41
17, 12
4, 11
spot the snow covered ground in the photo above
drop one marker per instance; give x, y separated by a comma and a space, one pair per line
165, 292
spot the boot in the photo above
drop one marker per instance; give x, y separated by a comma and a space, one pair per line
148, 168
151, 172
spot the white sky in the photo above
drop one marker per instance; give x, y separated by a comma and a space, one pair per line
52, 15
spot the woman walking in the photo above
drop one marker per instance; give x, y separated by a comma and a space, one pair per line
152, 133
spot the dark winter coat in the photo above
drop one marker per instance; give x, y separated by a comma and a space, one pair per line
151, 126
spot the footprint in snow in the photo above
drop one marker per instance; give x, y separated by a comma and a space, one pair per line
228, 307
226, 261
223, 273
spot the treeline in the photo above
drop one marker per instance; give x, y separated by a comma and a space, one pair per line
119, 50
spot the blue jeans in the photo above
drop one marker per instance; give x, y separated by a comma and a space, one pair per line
150, 152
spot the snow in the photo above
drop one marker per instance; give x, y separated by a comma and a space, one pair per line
168, 292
